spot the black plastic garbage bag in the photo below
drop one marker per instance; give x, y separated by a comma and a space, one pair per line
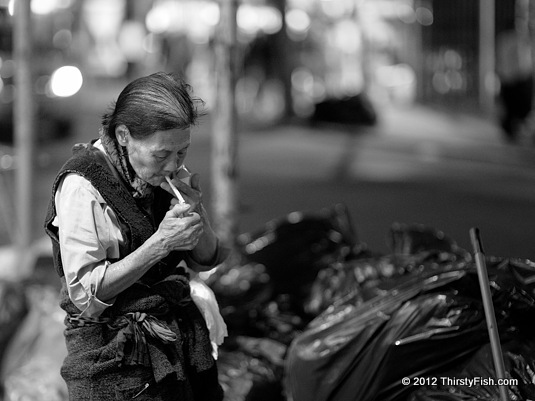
415, 248
346, 354
242, 292
249, 305
433, 331
434, 319
251, 369
477, 381
295, 248
263, 293
410, 239
361, 278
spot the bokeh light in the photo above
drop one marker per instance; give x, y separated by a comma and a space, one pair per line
66, 81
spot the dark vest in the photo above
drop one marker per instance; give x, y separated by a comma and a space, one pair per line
137, 225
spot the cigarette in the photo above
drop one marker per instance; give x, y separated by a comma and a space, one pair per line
177, 193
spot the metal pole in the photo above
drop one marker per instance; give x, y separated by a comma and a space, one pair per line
224, 126
23, 131
487, 54
367, 75
489, 310
530, 10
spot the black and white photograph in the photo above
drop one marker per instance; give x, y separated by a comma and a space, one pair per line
267, 200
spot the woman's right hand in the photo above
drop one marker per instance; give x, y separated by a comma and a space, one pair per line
180, 229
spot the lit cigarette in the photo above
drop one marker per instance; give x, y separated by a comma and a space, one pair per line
178, 195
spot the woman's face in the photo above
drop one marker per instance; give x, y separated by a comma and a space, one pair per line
159, 155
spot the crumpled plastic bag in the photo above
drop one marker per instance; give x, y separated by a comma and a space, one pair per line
293, 249
351, 353
13, 309
434, 319
415, 248
411, 239
513, 286
519, 364
251, 369
361, 278
33, 359
241, 290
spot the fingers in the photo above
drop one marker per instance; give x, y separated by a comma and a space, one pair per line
191, 219
187, 219
185, 189
178, 210
191, 194
181, 232
166, 187
191, 228
179, 185
195, 181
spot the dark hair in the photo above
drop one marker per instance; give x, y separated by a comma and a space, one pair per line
157, 102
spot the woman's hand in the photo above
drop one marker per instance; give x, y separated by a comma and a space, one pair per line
207, 244
192, 193
180, 229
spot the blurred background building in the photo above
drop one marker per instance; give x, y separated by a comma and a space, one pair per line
293, 54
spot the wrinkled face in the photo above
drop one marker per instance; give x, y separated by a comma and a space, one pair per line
157, 156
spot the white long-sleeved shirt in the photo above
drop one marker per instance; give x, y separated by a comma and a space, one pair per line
89, 237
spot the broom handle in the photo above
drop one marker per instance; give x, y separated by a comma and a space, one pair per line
489, 310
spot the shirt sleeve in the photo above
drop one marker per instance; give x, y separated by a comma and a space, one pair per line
221, 254
89, 236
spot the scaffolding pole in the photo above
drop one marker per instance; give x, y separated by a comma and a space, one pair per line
224, 127
490, 315
487, 55
23, 117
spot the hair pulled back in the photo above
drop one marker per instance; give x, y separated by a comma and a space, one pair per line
157, 102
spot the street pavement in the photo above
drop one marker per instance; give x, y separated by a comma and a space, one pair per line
448, 171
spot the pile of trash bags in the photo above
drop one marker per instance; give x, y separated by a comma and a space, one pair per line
346, 323
314, 315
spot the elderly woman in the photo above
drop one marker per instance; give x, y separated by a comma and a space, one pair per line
122, 245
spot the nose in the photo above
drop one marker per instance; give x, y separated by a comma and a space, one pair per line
171, 165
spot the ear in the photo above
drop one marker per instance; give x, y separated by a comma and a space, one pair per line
122, 134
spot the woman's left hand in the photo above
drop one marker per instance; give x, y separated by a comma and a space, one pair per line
207, 246
192, 193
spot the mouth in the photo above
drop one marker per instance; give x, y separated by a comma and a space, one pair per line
155, 180
159, 179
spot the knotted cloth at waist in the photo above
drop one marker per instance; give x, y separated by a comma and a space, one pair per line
133, 327
157, 334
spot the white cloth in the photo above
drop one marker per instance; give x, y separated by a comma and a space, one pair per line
205, 299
